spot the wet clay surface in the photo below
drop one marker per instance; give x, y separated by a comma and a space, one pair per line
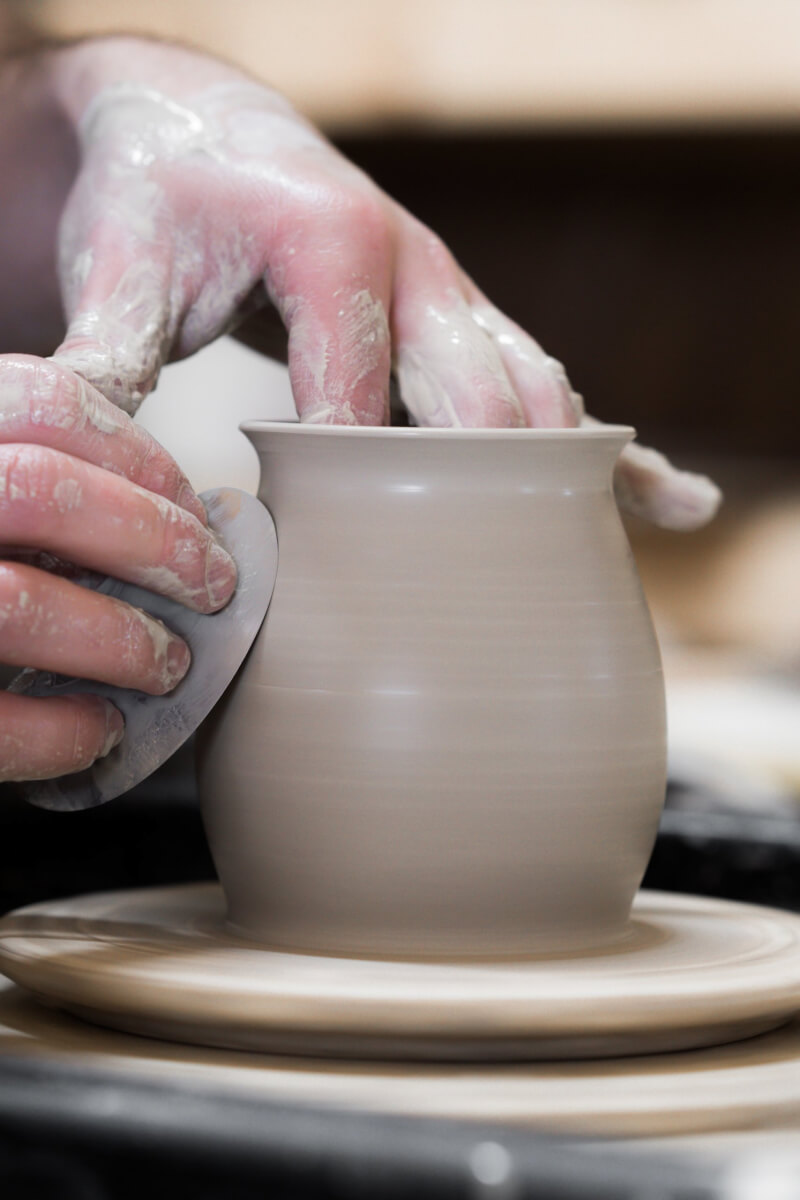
449, 735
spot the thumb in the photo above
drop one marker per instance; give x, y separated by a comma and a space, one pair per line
647, 485
116, 287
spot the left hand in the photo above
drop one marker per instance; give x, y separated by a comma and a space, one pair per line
81, 484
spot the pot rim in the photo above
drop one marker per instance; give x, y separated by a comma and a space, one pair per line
433, 433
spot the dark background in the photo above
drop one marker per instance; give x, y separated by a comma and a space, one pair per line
661, 269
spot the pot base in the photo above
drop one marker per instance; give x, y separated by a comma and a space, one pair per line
691, 972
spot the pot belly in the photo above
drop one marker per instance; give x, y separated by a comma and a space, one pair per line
397, 821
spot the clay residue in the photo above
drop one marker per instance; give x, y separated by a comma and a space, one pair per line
120, 344
67, 495
330, 369
539, 379
450, 374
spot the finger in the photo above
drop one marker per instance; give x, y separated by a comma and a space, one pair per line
448, 368
647, 485
331, 283
45, 738
57, 503
153, 258
54, 625
116, 267
44, 403
539, 381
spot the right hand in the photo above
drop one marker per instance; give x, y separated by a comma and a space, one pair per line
201, 194
80, 483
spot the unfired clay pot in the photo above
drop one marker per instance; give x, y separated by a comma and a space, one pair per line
449, 737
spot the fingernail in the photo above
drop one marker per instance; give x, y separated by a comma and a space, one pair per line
179, 658
115, 729
693, 502
189, 500
220, 576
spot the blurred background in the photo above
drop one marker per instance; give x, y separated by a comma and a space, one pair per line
622, 177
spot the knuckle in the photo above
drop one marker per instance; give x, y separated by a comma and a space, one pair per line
28, 390
367, 210
352, 204
16, 379
73, 406
59, 400
123, 372
157, 470
439, 255
434, 252
52, 400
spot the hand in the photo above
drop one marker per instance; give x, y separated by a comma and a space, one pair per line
201, 195
81, 482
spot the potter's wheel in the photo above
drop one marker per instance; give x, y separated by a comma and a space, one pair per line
690, 972
748, 1085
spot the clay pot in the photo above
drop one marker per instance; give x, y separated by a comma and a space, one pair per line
449, 737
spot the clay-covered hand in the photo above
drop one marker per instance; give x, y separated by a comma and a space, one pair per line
80, 483
202, 194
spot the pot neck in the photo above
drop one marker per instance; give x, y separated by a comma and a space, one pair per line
468, 460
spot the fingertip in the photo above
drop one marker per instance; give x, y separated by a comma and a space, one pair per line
221, 576
97, 727
690, 502
115, 728
371, 408
647, 485
46, 737
178, 660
